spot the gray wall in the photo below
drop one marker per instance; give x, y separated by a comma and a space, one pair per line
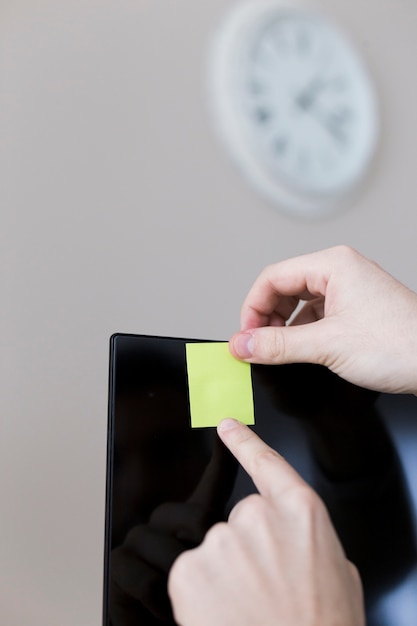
121, 212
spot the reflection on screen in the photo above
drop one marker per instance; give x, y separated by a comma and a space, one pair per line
168, 483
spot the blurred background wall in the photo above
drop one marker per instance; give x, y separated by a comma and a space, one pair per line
120, 211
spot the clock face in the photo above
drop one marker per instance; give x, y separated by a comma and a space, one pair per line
296, 105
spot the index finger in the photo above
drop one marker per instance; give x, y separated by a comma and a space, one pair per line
269, 470
278, 289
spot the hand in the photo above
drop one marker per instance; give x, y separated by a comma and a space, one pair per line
357, 320
276, 561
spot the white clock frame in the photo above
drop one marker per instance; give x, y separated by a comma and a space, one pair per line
229, 60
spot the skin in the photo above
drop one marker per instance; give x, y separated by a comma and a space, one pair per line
276, 561
356, 320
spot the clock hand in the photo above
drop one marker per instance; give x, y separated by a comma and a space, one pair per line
331, 124
307, 96
336, 132
307, 101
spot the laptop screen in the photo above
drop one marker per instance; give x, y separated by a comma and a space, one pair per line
168, 483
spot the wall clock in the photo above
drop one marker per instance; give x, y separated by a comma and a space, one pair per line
294, 105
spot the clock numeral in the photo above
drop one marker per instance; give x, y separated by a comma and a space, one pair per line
255, 87
327, 161
281, 145
336, 122
278, 38
304, 42
263, 115
337, 83
303, 161
341, 116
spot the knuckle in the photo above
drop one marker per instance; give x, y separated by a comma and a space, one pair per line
216, 533
305, 501
269, 270
180, 567
216, 540
221, 542
346, 253
251, 512
262, 458
250, 508
355, 574
255, 506
185, 566
274, 346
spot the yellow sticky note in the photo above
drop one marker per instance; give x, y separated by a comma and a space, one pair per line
219, 385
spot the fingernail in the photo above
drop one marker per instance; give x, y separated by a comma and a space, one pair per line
228, 424
243, 345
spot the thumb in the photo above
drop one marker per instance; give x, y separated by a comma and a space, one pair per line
273, 345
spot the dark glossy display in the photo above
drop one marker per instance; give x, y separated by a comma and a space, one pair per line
168, 483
